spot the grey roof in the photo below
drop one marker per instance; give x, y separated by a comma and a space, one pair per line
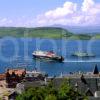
83, 79
88, 92
93, 98
33, 84
96, 71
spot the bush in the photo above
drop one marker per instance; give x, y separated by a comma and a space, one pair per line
49, 92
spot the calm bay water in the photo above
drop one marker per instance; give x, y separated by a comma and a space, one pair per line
17, 52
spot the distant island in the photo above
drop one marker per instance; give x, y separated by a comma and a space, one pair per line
44, 32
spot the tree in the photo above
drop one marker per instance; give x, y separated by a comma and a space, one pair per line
66, 92
49, 92
51, 97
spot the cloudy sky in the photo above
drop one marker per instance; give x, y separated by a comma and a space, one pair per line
32, 13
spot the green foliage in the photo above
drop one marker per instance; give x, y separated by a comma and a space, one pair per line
49, 92
97, 36
81, 37
51, 97
66, 92
42, 32
84, 36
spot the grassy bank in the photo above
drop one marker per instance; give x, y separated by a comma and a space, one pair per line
43, 32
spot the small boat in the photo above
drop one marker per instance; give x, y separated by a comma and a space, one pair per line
50, 55
83, 54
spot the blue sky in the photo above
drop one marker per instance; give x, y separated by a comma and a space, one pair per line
30, 13
17, 8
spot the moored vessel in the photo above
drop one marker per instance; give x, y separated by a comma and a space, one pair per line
83, 54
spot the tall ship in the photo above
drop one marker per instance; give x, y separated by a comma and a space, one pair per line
50, 55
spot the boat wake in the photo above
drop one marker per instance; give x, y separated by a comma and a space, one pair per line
73, 61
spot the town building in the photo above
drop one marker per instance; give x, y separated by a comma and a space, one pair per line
14, 76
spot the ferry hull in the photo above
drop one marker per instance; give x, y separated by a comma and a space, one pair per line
56, 58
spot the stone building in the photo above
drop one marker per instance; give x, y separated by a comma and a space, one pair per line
14, 76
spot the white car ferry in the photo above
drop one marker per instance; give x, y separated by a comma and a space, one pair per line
47, 55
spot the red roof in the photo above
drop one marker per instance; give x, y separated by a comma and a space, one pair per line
17, 71
2, 76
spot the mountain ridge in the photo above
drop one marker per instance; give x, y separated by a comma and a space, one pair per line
44, 32
81, 29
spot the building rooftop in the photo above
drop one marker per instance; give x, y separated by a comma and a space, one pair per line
2, 76
16, 71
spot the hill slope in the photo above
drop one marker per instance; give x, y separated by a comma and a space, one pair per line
42, 32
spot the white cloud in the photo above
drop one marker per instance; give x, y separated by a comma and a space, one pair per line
5, 22
87, 5
58, 14
18, 22
70, 14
